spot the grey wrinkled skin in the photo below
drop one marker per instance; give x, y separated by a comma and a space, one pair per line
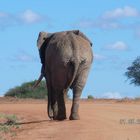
66, 58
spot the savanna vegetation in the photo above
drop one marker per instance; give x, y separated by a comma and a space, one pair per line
26, 90
133, 72
90, 97
8, 126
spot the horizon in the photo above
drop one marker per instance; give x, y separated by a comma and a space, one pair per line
113, 27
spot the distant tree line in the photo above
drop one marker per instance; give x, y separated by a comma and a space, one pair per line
26, 91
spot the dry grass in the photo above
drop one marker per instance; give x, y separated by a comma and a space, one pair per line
8, 123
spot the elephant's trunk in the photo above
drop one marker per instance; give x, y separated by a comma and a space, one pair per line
38, 81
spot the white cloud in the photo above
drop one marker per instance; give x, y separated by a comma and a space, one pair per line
119, 45
101, 24
3, 15
24, 57
109, 25
29, 17
126, 11
85, 23
99, 57
6, 20
109, 19
112, 95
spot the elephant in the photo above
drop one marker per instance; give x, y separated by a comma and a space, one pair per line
66, 59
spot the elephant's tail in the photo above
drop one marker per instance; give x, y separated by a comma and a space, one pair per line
76, 66
75, 59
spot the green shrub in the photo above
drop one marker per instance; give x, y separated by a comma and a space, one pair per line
90, 97
26, 91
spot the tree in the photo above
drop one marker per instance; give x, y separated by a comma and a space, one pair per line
90, 97
26, 90
133, 72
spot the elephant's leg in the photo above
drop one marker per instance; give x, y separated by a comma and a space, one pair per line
77, 90
61, 106
75, 104
54, 104
49, 89
52, 98
59, 79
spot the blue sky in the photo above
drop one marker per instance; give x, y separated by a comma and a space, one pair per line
113, 26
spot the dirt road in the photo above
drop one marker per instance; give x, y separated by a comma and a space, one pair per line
99, 121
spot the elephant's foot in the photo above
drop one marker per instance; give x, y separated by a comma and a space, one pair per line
74, 116
60, 118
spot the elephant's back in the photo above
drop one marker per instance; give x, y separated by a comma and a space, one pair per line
59, 48
64, 47
82, 47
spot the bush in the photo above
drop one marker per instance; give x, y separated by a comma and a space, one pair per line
90, 97
26, 91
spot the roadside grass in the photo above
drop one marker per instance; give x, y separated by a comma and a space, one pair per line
8, 125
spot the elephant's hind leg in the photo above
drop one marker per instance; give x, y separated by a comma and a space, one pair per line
61, 106
77, 91
75, 104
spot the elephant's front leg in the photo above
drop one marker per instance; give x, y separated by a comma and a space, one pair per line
75, 105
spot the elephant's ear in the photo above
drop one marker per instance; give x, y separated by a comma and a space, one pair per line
41, 39
77, 32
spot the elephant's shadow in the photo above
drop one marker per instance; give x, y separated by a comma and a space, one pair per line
31, 122
26, 122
